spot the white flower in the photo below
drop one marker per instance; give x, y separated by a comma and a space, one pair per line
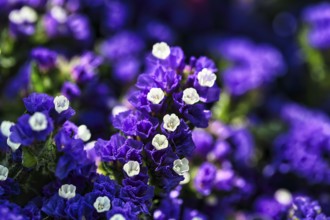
181, 166
102, 204
190, 96
25, 14
159, 142
161, 50
155, 95
283, 197
206, 78
14, 146
5, 128
117, 217
132, 168
3, 173
83, 133
186, 177
171, 122
59, 14
61, 103
38, 121
67, 191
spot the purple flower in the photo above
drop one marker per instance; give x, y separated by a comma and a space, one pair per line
55, 22
253, 65
301, 151
86, 69
80, 29
45, 58
10, 211
121, 209
135, 123
269, 207
205, 178
30, 128
317, 16
305, 208
169, 207
70, 90
115, 15
126, 69
116, 47
22, 21
203, 142
40, 102
161, 162
20, 82
138, 191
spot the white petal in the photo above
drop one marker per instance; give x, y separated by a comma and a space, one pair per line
3, 173
155, 95
61, 103
161, 50
206, 78
159, 142
5, 127
83, 133
171, 122
38, 121
132, 168
190, 96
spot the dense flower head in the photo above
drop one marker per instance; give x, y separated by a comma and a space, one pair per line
305, 208
251, 65
22, 21
45, 58
317, 17
93, 126
301, 151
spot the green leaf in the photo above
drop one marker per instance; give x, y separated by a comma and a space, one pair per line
29, 159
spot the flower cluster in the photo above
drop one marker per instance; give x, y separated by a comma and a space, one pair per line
251, 65
100, 118
317, 16
117, 178
301, 151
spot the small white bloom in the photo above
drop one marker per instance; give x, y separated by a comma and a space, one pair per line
15, 17
159, 142
102, 204
59, 14
83, 133
24, 14
5, 127
206, 78
14, 146
67, 191
132, 168
283, 197
190, 96
186, 177
61, 103
3, 173
161, 50
171, 122
155, 95
117, 217
181, 166
38, 121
